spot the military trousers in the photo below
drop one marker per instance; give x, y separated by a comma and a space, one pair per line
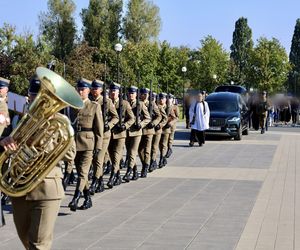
116, 150
132, 145
171, 137
155, 146
83, 161
145, 149
99, 160
35, 221
163, 144
262, 120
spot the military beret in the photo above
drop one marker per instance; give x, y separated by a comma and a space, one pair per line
162, 95
34, 85
132, 89
83, 83
97, 84
114, 86
4, 82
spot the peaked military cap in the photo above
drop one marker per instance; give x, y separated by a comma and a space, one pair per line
83, 83
114, 86
132, 89
97, 84
34, 85
144, 90
4, 82
162, 95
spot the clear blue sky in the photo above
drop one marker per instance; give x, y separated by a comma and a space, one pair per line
186, 22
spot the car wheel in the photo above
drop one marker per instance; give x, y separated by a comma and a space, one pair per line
238, 137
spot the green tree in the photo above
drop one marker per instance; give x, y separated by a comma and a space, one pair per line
294, 57
7, 36
142, 21
210, 63
58, 26
115, 20
269, 65
241, 46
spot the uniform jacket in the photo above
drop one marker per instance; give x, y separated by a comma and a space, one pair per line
4, 115
112, 115
127, 118
172, 119
164, 118
176, 112
143, 120
51, 187
89, 117
156, 118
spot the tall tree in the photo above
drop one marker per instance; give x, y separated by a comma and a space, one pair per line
269, 65
115, 19
210, 64
241, 46
142, 21
294, 57
58, 26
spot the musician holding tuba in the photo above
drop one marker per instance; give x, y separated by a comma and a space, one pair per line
36, 211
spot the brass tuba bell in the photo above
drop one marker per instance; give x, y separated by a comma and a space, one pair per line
43, 136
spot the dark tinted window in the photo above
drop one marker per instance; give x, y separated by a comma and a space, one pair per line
223, 106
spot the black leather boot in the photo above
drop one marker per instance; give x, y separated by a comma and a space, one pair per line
160, 164
110, 182
135, 174
164, 161
94, 185
117, 179
126, 177
66, 180
169, 152
144, 171
87, 200
73, 205
108, 168
100, 185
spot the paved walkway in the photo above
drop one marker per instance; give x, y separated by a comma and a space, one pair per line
225, 195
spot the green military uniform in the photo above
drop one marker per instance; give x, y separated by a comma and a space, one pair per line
98, 161
157, 136
88, 126
173, 129
134, 135
262, 111
166, 131
148, 133
116, 146
35, 214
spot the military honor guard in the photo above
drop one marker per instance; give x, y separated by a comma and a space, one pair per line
110, 119
149, 131
158, 130
89, 127
119, 133
134, 133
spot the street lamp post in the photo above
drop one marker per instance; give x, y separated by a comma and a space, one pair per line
183, 69
118, 49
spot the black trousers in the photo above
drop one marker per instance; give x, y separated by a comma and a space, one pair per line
197, 135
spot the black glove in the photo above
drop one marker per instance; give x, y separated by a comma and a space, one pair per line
167, 125
121, 127
150, 125
96, 152
157, 127
137, 126
106, 127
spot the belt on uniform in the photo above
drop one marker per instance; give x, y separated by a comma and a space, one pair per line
79, 129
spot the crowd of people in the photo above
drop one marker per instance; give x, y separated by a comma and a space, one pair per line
142, 122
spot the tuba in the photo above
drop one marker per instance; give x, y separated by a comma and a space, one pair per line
43, 136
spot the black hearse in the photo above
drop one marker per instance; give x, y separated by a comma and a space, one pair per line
228, 115
232, 88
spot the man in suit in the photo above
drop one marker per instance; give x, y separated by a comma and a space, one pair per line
134, 133
116, 145
35, 213
88, 126
110, 119
148, 131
